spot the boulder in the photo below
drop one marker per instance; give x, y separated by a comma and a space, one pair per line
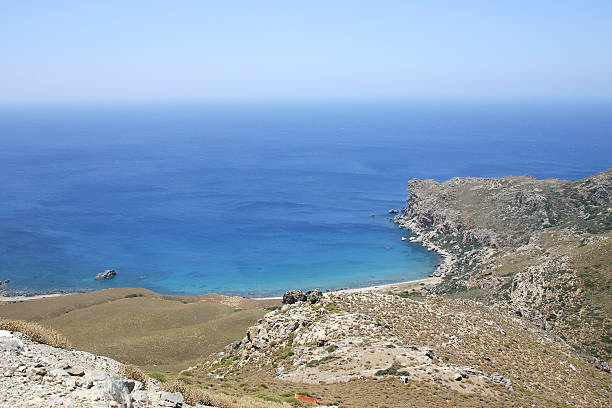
38, 371
58, 372
252, 333
293, 296
112, 388
99, 375
393, 211
601, 365
107, 274
133, 385
313, 296
141, 398
76, 372
9, 342
430, 353
175, 399
258, 336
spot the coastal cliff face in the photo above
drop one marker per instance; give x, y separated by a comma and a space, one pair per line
541, 247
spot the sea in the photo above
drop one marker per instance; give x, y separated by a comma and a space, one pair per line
255, 198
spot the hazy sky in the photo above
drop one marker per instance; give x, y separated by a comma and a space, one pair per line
177, 49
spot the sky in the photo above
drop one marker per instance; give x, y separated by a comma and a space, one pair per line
206, 50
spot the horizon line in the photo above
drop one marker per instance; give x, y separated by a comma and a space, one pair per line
297, 99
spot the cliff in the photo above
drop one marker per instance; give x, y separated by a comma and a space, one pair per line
541, 247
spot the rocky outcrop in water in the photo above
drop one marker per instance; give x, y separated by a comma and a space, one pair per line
107, 274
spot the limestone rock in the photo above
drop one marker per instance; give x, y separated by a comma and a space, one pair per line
76, 372
292, 296
175, 399
313, 296
113, 388
38, 375
9, 342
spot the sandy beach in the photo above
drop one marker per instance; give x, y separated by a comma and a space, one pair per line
25, 297
390, 287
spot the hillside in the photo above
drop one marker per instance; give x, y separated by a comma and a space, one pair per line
371, 349
542, 247
156, 332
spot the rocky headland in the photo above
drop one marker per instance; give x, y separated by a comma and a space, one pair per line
540, 247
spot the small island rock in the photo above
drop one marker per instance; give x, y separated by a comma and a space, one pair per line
107, 274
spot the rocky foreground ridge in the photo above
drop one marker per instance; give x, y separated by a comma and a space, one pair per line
383, 350
38, 375
541, 247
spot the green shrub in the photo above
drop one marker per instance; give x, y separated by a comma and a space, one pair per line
393, 370
314, 363
283, 353
331, 307
157, 376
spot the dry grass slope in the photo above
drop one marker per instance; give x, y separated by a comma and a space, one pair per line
137, 326
36, 332
133, 372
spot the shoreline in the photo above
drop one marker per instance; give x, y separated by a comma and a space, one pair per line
22, 298
397, 286
393, 287
447, 258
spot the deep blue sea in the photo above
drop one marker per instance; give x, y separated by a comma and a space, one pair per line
255, 198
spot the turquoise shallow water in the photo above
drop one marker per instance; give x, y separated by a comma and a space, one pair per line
254, 199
